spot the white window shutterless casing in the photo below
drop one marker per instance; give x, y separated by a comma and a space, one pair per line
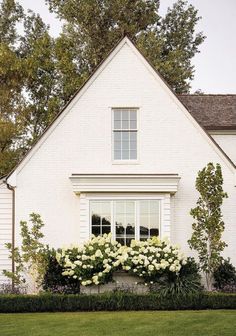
126, 219
124, 134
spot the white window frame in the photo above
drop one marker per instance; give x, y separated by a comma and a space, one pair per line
125, 161
137, 215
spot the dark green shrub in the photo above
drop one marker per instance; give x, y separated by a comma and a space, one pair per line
186, 282
225, 276
54, 281
114, 302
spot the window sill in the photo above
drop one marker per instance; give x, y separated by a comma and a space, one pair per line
125, 162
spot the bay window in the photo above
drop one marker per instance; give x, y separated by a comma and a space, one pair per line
126, 219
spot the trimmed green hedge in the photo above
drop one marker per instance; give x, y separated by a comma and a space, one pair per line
113, 302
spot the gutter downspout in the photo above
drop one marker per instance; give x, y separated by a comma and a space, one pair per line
13, 230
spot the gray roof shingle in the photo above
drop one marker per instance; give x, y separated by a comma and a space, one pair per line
212, 111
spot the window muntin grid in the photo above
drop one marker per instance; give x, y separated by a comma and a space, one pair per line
125, 134
126, 219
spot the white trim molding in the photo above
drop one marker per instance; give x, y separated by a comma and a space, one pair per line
161, 183
85, 221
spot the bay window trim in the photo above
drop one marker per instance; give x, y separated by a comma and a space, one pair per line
114, 198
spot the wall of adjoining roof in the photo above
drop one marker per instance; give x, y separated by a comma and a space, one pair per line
5, 228
228, 143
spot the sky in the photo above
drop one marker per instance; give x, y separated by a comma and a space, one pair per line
215, 65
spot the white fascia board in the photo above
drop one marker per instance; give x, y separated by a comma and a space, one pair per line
11, 180
125, 183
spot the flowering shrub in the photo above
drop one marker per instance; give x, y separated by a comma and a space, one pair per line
92, 263
150, 259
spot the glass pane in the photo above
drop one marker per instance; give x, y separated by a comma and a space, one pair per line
154, 232
128, 241
125, 115
125, 145
96, 230
96, 220
133, 145
133, 154
149, 217
143, 230
117, 115
125, 154
106, 221
144, 219
153, 221
125, 136
101, 216
117, 136
129, 222
120, 207
117, 155
95, 207
117, 145
105, 207
144, 238
125, 124
154, 206
133, 136
106, 229
133, 124
144, 207
133, 115
130, 207
117, 124
130, 230
120, 219
120, 230
121, 241
124, 213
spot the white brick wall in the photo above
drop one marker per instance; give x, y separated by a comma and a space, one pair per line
169, 142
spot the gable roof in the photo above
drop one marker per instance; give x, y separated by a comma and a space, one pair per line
212, 111
87, 84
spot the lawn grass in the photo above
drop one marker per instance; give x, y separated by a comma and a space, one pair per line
150, 323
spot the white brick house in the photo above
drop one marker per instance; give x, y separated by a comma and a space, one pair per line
123, 157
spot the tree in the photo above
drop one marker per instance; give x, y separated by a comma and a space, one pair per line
92, 28
31, 259
39, 74
208, 227
41, 80
28, 82
11, 87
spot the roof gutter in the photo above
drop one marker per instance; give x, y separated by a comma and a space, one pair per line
13, 230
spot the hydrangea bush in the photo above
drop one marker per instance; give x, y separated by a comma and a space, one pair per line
94, 262
150, 259
91, 263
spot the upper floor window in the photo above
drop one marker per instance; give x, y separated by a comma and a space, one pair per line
125, 133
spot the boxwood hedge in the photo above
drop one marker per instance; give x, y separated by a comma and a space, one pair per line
113, 302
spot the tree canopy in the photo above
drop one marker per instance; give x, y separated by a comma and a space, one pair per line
39, 73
